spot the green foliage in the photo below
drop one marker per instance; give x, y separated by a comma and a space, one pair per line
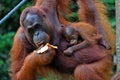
53, 76
5, 45
6, 40
111, 11
73, 17
12, 23
7, 31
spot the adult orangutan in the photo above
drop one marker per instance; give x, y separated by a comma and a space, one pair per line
40, 25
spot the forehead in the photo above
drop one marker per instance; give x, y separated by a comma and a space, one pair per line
69, 30
31, 19
31, 16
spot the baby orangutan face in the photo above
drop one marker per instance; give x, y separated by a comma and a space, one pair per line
70, 35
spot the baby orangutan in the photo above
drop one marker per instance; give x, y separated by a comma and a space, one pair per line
73, 33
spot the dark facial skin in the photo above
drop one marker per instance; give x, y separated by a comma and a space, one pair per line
70, 35
36, 28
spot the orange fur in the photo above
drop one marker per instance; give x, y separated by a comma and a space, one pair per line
94, 12
26, 65
24, 61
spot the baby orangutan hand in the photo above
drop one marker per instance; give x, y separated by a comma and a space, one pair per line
68, 51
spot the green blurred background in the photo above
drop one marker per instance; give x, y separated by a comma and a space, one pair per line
9, 28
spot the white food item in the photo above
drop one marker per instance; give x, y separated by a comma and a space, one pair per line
45, 48
55, 47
